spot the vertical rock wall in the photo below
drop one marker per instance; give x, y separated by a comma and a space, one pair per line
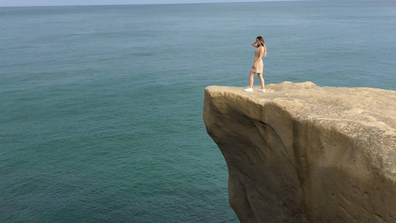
304, 153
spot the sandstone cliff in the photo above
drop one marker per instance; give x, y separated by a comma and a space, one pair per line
304, 153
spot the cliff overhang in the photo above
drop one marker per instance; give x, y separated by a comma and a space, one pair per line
304, 153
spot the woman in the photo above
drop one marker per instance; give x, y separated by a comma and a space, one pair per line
258, 65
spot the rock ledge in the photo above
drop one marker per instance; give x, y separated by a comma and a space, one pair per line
304, 153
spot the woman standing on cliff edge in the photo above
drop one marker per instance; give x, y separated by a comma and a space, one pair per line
258, 65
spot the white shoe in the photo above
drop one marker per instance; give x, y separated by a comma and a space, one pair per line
249, 89
262, 90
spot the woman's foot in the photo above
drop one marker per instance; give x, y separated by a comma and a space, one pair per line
261, 90
249, 89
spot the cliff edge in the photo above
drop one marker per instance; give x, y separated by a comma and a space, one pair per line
304, 153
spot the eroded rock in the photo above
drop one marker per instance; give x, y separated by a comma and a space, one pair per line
304, 153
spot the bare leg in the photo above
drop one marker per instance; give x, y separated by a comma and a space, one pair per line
261, 80
251, 79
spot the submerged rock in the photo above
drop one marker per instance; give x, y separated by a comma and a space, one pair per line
304, 153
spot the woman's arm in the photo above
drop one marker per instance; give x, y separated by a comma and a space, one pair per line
254, 44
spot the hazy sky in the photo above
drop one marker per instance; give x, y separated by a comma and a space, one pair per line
107, 2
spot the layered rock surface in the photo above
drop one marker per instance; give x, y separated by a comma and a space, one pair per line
304, 153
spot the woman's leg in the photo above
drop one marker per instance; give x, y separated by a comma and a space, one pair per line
251, 79
260, 75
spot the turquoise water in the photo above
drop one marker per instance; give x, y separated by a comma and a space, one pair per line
101, 106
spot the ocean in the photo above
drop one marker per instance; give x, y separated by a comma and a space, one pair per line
101, 106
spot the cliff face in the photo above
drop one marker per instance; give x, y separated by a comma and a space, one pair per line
304, 153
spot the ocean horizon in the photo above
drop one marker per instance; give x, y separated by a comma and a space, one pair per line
168, 3
101, 117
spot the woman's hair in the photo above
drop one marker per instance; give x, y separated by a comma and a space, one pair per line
261, 39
